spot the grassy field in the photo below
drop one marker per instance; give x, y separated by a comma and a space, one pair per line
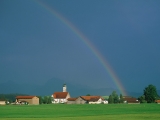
79, 112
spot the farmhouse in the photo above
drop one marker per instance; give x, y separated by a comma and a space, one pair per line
85, 100
32, 100
61, 97
71, 100
158, 101
2, 102
92, 99
130, 100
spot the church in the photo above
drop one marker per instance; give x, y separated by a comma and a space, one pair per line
61, 97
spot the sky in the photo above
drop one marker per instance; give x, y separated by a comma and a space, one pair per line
38, 42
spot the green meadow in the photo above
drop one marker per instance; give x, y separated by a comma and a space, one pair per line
81, 112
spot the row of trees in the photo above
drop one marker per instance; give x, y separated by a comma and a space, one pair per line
45, 100
150, 95
10, 97
114, 98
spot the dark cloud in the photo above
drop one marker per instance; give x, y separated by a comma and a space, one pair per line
36, 46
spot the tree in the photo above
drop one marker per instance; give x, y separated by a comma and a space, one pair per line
142, 99
40, 100
110, 99
150, 93
11, 97
121, 99
47, 100
2, 97
113, 98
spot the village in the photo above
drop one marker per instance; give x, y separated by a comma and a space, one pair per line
64, 97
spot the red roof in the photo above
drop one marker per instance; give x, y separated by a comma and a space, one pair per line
25, 97
71, 99
130, 99
60, 95
91, 98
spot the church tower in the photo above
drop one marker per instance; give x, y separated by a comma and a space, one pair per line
64, 88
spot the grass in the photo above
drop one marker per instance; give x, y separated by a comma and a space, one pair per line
79, 112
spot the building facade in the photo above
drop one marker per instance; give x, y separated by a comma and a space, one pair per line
2, 102
61, 97
86, 100
31, 100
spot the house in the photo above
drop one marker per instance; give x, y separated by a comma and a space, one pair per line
158, 101
61, 97
2, 102
71, 100
80, 100
105, 101
93, 99
32, 100
89, 100
130, 100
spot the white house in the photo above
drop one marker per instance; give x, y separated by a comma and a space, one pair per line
61, 97
95, 100
105, 102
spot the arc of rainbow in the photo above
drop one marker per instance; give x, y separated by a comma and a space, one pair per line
88, 44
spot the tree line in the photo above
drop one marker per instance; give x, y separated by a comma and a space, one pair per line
150, 95
45, 99
114, 98
10, 97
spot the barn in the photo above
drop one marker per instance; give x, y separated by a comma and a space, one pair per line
93, 99
2, 102
130, 100
86, 100
31, 100
71, 100
157, 101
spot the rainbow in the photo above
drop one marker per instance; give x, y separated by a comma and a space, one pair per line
86, 41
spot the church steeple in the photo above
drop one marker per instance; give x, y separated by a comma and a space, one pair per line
64, 88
